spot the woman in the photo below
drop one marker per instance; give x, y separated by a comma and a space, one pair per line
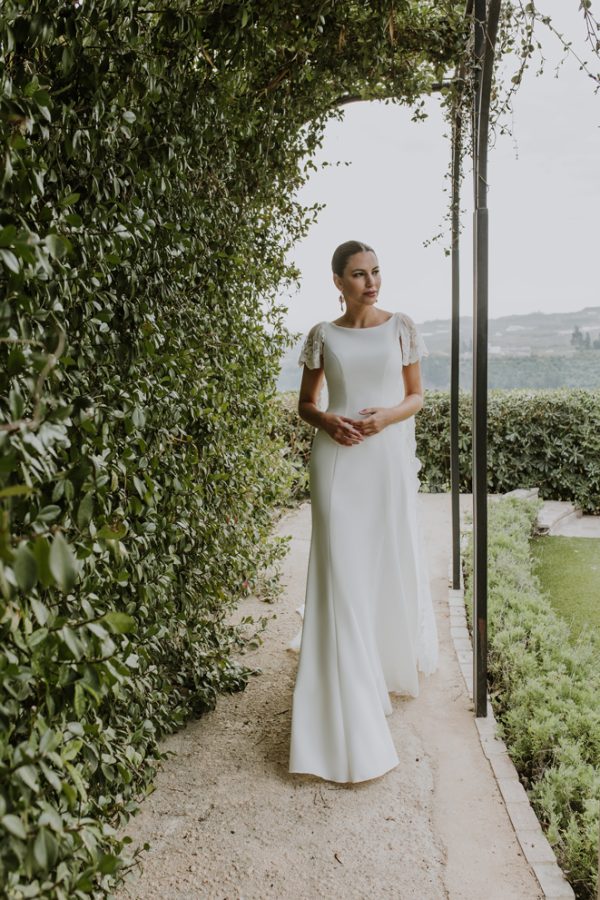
368, 616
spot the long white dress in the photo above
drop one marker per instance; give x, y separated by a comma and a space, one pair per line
368, 618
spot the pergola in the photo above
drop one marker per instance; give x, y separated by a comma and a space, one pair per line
483, 17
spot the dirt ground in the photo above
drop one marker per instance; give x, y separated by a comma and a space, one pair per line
227, 821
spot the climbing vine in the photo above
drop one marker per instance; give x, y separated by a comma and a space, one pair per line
151, 153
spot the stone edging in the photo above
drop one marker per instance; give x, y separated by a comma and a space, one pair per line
536, 848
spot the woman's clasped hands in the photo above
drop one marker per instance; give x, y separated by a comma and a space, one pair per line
347, 431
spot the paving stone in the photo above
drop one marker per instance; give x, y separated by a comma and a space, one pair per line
459, 631
493, 746
502, 765
512, 790
553, 882
486, 725
535, 845
521, 815
462, 643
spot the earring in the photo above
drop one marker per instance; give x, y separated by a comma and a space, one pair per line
342, 302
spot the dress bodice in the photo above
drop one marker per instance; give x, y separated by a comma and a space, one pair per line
363, 366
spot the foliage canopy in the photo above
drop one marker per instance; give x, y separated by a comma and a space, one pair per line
151, 154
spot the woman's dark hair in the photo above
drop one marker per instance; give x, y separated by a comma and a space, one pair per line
344, 252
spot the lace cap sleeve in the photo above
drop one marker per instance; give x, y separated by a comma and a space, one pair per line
312, 348
412, 344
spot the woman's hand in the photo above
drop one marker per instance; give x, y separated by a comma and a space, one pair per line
342, 429
376, 419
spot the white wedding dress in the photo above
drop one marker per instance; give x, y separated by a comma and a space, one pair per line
368, 619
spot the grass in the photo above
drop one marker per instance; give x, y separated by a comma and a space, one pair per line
569, 572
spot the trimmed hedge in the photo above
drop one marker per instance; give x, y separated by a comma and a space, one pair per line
544, 687
549, 439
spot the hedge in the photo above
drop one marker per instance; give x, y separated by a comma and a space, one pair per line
546, 439
544, 686
152, 156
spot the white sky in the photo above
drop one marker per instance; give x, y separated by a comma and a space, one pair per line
544, 198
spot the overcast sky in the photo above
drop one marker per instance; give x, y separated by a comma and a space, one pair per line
544, 199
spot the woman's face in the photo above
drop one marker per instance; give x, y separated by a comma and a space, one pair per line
361, 280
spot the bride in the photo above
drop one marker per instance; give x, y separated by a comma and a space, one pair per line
369, 624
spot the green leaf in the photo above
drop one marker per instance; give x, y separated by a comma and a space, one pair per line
10, 260
118, 622
25, 568
28, 775
72, 641
7, 235
110, 533
85, 511
41, 551
79, 701
16, 490
58, 246
15, 826
51, 777
48, 513
45, 849
63, 564
51, 817
70, 199
108, 863
40, 611
72, 748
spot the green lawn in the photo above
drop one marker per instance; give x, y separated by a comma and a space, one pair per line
569, 571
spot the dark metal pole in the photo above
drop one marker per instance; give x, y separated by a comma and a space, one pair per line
486, 26
479, 388
454, 345
458, 85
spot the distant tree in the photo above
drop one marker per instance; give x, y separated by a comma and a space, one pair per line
577, 338
596, 343
587, 341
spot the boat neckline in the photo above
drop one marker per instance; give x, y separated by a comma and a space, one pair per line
366, 328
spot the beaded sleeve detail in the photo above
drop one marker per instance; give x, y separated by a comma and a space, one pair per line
412, 344
312, 348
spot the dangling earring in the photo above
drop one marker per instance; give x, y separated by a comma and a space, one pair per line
342, 302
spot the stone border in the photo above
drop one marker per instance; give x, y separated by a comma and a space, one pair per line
536, 848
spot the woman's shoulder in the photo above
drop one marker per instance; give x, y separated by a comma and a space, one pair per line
312, 346
411, 340
405, 320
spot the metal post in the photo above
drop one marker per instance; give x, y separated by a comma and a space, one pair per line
485, 30
454, 346
458, 85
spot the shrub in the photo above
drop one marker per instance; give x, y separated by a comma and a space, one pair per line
544, 687
547, 439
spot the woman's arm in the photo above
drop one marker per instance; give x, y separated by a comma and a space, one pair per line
413, 395
342, 429
310, 389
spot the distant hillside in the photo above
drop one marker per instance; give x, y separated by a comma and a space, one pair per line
530, 351
518, 335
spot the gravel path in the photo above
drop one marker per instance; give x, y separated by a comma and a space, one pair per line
228, 822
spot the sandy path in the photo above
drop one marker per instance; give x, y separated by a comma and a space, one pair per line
227, 821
